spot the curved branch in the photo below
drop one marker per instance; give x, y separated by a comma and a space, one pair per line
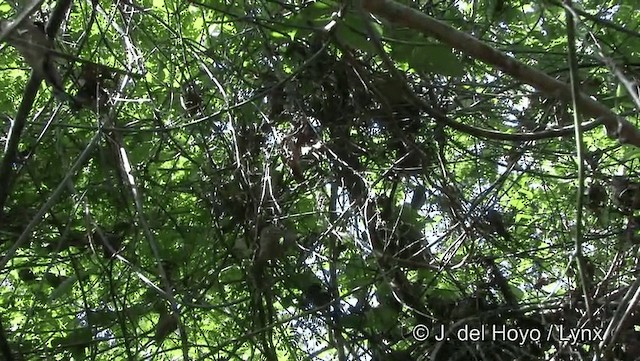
617, 127
515, 137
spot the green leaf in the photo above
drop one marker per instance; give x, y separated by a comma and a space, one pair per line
352, 321
437, 59
424, 55
382, 318
317, 10
352, 31
411, 216
64, 288
517, 292
67, 285
230, 274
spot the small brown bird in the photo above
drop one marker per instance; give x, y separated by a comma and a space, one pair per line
191, 100
626, 193
495, 221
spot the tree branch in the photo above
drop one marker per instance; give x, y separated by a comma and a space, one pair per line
617, 127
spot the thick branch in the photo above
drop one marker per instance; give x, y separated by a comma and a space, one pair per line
15, 132
617, 127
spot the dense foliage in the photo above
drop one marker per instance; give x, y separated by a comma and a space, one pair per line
312, 180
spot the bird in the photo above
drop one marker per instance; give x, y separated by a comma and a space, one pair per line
31, 41
495, 221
